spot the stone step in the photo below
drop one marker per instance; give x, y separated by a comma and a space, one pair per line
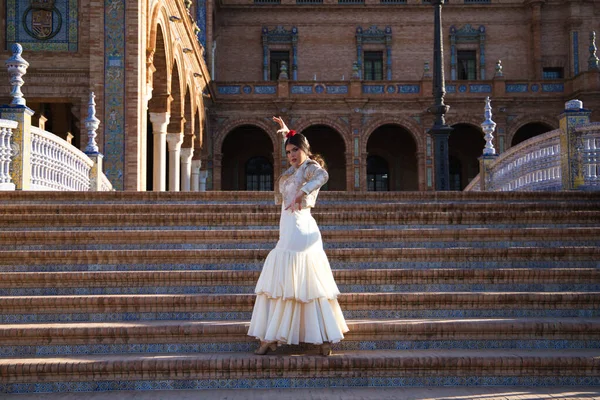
346, 368
239, 236
230, 336
165, 208
243, 282
589, 218
101, 308
176, 256
232, 197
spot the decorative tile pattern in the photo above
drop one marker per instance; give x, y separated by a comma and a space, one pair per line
201, 22
337, 89
229, 89
406, 89
247, 89
114, 92
302, 89
553, 87
373, 89
265, 89
450, 88
480, 88
575, 53
462, 88
516, 88
59, 31
197, 384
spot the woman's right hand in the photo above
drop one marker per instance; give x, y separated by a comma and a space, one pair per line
283, 129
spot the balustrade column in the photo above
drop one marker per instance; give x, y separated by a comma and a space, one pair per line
174, 140
186, 168
160, 121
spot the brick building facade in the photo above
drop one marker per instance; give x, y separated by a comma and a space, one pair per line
359, 83
182, 86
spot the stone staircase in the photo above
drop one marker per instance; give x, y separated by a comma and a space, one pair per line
153, 291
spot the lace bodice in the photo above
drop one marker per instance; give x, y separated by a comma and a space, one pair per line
309, 177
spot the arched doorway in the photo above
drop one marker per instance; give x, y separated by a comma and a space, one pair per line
394, 146
330, 145
528, 131
465, 146
247, 159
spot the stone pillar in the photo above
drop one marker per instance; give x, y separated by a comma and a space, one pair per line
160, 121
20, 166
196, 164
186, 168
571, 144
174, 140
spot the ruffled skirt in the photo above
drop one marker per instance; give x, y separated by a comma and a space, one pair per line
296, 294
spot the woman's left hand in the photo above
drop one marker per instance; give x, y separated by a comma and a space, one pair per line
297, 201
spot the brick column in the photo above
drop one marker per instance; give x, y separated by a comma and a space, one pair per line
536, 36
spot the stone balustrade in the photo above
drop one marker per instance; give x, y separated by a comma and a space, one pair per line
6, 128
56, 165
563, 159
34, 159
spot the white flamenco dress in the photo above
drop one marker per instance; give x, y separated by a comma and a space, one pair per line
296, 294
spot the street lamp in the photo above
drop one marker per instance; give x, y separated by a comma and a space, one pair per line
440, 131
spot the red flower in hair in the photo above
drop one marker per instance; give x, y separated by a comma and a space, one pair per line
290, 133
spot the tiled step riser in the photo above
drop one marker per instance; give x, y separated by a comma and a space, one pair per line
257, 266
595, 287
233, 197
250, 346
248, 236
298, 383
324, 207
327, 245
23, 318
232, 371
335, 255
584, 218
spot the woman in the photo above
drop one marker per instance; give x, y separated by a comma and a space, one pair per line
296, 293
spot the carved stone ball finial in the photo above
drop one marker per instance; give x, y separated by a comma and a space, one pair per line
283, 71
499, 69
593, 62
91, 124
17, 67
488, 126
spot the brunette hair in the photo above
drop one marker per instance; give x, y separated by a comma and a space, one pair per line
300, 141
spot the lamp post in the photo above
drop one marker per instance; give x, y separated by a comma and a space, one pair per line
440, 131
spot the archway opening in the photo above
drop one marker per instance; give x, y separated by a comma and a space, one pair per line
528, 131
465, 146
330, 145
247, 159
394, 146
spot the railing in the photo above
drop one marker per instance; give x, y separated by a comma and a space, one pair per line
535, 164
591, 154
56, 164
6, 128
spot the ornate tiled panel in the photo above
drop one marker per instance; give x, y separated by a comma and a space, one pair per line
406, 89
302, 89
265, 89
337, 89
37, 29
553, 87
480, 88
229, 89
373, 89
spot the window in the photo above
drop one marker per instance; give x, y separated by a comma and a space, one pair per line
277, 57
377, 174
373, 66
259, 174
467, 65
553, 73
